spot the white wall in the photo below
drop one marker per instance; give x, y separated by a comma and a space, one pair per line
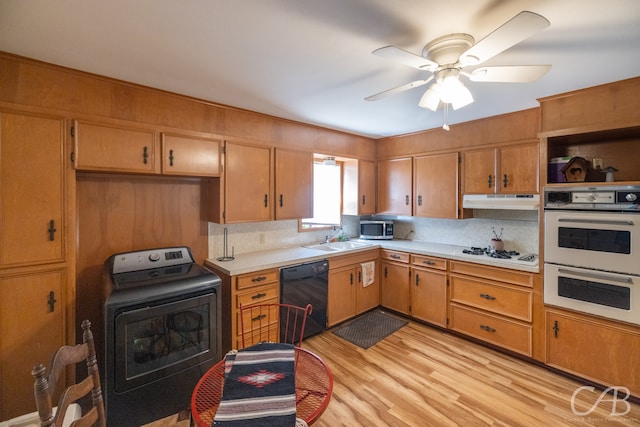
520, 232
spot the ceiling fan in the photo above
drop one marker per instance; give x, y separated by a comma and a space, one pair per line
447, 56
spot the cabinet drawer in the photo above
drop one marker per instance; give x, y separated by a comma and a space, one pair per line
259, 320
258, 296
272, 335
256, 279
506, 333
429, 262
492, 273
506, 300
394, 255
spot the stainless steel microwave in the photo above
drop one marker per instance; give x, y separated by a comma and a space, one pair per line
376, 230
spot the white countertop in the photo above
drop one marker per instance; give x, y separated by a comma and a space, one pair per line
275, 258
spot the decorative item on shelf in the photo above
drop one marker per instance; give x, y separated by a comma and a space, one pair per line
496, 241
575, 170
609, 170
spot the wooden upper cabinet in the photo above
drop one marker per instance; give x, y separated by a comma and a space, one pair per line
394, 186
190, 155
115, 148
519, 168
359, 187
32, 181
294, 184
248, 188
507, 170
366, 187
436, 186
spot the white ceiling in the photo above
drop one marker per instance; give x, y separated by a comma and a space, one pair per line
310, 60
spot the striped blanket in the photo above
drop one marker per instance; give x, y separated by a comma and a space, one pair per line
259, 387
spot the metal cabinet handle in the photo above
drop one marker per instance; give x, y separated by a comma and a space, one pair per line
417, 279
281, 197
406, 200
52, 230
145, 154
351, 278
487, 296
490, 181
419, 200
487, 328
52, 302
597, 221
171, 157
505, 181
600, 276
556, 328
266, 200
364, 198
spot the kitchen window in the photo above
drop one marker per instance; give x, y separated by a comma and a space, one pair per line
327, 196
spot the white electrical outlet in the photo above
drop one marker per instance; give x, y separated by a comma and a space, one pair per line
597, 163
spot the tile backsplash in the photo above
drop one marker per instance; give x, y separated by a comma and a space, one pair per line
520, 232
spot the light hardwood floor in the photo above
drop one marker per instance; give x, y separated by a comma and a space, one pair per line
421, 376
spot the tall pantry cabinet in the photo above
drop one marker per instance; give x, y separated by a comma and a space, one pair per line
33, 256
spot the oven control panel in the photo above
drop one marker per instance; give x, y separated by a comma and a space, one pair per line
614, 198
149, 258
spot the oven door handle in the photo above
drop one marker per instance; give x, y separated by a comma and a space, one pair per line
594, 275
598, 221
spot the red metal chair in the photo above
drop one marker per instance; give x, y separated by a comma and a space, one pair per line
283, 323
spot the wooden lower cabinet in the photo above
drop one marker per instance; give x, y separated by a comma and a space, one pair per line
492, 304
602, 351
261, 287
348, 296
31, 330
395, 278
429, 289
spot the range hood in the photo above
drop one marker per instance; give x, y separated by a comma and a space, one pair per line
521, 202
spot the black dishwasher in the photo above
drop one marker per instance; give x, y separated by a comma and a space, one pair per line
304, 284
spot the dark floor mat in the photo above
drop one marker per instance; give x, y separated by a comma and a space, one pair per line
369, 328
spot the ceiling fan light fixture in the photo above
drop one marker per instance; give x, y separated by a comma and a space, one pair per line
431, 98
462, 97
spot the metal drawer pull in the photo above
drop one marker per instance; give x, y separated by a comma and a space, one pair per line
487, 328
601, 276
259, 317
487, 296
597, 221
428, 262
394, 256
258, 296
258, 279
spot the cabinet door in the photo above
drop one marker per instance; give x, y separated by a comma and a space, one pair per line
394, 187
480, 171
247, 184
602, 352
519, 169
342, 287
366, 187
32, 227
429, 296
294, 184
436, 186
367, 297
394, 284
115, 148
188, 155
30, 333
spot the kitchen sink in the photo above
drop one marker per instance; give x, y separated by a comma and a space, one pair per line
338, 246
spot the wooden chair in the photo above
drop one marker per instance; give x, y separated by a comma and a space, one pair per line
260, 323
44, 387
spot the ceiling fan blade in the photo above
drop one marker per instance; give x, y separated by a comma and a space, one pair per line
405, 57
413, 84
520, 27
509, 73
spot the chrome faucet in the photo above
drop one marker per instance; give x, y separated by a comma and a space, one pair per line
327, 239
